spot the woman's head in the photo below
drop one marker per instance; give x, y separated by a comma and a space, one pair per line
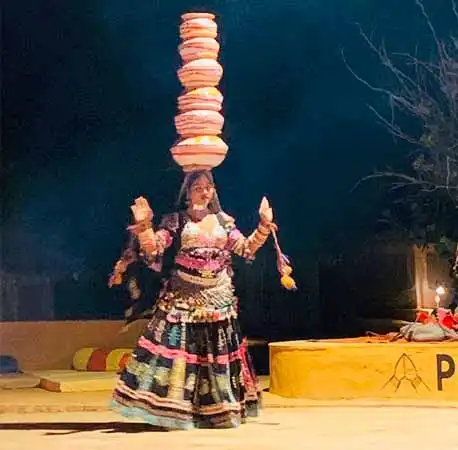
199, 189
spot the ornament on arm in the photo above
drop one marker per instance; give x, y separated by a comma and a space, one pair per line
247, 247
143, 226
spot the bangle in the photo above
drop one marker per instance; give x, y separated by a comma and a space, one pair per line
140, 227
264, 229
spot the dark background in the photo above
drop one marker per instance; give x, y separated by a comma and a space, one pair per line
89, 96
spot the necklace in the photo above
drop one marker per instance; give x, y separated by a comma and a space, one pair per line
197, 215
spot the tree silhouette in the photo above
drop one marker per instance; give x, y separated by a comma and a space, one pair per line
425, 196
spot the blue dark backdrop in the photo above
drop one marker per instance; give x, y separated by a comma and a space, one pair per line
89, 99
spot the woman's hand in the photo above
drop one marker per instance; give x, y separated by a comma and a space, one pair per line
141, 210
265, 212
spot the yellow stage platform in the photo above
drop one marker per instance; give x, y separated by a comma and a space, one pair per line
74, 381
364, 369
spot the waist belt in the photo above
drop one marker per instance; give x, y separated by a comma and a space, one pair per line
211, 280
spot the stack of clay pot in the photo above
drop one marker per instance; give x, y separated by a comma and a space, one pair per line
199, 122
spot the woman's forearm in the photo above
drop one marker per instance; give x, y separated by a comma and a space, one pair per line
154, 243
148, 241
248, 246
257, 239
145, 235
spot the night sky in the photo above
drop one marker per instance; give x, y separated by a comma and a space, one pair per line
89, 96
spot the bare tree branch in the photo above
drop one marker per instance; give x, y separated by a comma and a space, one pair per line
426, 91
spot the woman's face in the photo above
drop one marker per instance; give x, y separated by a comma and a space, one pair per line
201, 192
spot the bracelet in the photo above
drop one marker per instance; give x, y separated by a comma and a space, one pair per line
149, 244
264, 229
140, 227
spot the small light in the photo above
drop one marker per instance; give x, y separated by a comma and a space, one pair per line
440, 290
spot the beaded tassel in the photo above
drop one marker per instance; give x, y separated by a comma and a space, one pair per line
283, 265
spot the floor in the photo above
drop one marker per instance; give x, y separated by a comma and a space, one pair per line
323, 428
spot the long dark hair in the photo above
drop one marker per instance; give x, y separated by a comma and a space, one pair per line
190, 178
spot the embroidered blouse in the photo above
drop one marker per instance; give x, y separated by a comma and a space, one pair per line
200, 286
205, 253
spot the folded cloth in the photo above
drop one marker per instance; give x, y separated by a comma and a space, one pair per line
427, 332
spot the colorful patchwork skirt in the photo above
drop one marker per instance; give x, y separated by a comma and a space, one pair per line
189, 375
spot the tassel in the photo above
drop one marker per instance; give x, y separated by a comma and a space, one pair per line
283, 264
128, 256
288, 283
134, 290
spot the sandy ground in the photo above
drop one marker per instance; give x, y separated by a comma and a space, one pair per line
322, 428
30, 401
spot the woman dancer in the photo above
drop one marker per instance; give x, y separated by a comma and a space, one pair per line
191, 367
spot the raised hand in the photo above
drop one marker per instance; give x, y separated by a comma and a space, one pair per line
265, 211
141, 210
